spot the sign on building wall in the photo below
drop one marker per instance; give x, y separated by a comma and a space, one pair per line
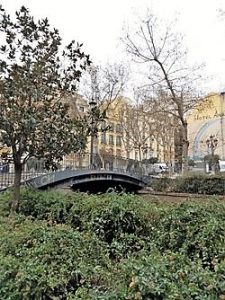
205, 120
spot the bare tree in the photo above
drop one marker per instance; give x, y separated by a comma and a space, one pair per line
104, 84
161, 49
137, 127
164, 134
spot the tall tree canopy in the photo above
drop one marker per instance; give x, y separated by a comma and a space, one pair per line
35, 75
161, 49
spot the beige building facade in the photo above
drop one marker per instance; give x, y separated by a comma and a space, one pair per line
131, 135
205, 120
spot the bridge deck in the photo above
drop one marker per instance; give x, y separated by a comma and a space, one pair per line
84, 180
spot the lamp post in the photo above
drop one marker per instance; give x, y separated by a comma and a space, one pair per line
92, 104
212, 143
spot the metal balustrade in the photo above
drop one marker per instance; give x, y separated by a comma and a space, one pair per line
7, 179
81, 162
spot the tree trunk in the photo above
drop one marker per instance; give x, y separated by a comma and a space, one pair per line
16, 188
139, 153
185, 145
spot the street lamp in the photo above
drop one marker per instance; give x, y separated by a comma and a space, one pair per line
212, 143
92, 104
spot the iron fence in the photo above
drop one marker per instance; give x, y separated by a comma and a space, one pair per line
80, 162
7, 178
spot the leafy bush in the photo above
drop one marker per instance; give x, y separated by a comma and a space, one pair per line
39, 261
164, 184
112, 246
195, 231
213, 185
165, 276
5, 203
120, 220
120, 215
45, 205
126, 212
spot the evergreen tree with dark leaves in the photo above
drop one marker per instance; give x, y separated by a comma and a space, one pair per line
35, 75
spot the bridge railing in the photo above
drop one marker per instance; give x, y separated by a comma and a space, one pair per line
106, 162
7, 178
80, 162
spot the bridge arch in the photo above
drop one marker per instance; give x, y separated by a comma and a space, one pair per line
88, 180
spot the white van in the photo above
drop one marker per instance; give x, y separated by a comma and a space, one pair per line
160, 168
222, 165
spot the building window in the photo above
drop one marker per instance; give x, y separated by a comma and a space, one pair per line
103, 138
118, 140
111, 139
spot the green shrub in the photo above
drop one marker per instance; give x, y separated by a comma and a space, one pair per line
163, 184
39, 261
121, 215
5, 203
213, 185
196, 230
112, 246
46, 205
123, 221
198, 184
166, 276
108, 215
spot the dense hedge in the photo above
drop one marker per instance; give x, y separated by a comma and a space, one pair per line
111, 246
213, 185
163, 184
209, 185
43, 262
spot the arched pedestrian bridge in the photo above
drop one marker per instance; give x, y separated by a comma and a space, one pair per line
88, 180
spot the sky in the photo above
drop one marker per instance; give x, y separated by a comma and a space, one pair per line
98, 24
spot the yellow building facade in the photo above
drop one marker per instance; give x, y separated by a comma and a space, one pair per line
130, 135
133, 135
205, 120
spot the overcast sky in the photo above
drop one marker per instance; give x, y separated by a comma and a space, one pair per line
98, 25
